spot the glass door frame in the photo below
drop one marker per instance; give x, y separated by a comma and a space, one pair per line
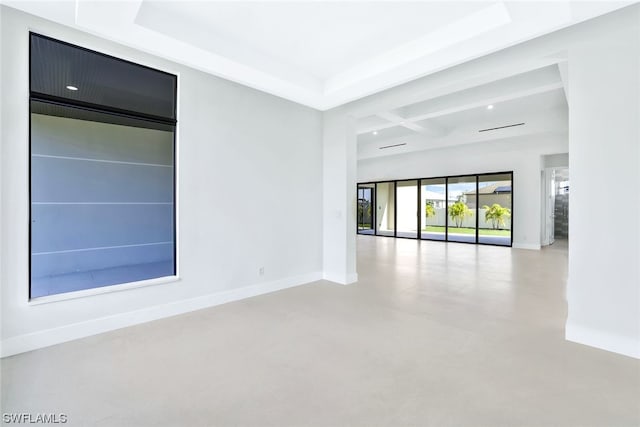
510, 173
395, 206
446, 199
477, 177
372, 189
419, 216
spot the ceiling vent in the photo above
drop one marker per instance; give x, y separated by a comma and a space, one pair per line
501, 127
391, 146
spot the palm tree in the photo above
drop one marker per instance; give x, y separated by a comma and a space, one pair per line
496, 214
458, 212
429, 209
364, 213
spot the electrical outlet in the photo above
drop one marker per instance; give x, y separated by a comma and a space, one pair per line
261, 271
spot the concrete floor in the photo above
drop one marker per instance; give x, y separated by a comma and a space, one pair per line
433, 334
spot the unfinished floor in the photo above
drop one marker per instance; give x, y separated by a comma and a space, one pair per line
433, 334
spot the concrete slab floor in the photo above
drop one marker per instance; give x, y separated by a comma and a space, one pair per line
433, 334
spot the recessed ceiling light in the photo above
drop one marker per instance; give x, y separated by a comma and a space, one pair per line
489, 107
72, 88
401, 123
375, 132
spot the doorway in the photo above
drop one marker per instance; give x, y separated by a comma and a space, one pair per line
557, 189
561, 204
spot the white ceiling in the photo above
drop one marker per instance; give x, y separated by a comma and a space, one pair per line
536, 98
320, 39
321, 54
514, 110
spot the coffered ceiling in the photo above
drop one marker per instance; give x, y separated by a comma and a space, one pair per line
321, 54
528, 103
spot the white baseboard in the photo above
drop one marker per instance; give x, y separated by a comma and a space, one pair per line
593, 338
340, 278
48, 337
531, 246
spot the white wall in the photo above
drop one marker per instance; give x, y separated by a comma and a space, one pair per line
556, 161
249, 196
604, 146
339, 197
521, 155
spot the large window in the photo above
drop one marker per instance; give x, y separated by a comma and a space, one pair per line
494, 209
461, 212
433, 207
386, 208
102, 170
467, 209
407, 209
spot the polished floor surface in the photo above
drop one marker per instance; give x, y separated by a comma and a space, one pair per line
433, 334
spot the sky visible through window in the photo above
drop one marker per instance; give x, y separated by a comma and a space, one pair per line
460, 187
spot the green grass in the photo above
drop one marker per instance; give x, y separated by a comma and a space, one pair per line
364, 226
465, 230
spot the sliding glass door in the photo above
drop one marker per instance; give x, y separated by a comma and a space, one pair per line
407, 209
433, 208
466, 208
494, 209
461, 209
385, 208
366, 208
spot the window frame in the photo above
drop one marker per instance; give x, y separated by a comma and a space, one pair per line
115, 112
446, 183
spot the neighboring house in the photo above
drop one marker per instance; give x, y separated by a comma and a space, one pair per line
436, 198
496, 192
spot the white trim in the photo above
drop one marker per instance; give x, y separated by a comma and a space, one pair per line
45, 338
103, 290
531, 246
340, 279
618, 344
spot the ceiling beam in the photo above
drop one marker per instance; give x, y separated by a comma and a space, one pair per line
549, 122
519, 86
487, 101
398, 120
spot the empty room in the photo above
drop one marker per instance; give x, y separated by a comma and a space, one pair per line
235, 213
